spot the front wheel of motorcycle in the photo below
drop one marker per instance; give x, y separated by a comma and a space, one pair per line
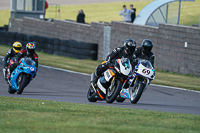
91, 95
136, 92
22, 81
119, 99
113, 91
11, 90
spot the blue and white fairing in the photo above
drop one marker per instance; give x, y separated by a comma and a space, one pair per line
122, 66
144, 69
26, 66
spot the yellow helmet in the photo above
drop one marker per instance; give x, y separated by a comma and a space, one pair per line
17, 47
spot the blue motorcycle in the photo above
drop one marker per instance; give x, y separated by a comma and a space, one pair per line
22, 76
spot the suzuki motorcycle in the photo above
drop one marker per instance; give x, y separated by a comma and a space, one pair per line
143, 75
110, 83
21, 76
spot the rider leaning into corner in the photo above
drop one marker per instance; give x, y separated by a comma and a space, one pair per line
8, 68
126, 51
144, 52
29, 52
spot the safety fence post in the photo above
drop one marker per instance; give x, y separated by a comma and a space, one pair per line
106, 41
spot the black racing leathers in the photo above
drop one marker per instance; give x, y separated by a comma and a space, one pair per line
10, 54
147, 56
24, 53
117, 53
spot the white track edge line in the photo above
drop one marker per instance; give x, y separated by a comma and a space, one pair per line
65, 70
176, 88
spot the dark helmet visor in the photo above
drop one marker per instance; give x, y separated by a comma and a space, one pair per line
31, 50
147, 48
17, 48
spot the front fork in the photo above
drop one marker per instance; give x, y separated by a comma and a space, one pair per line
132, 82
112, 83
126, 90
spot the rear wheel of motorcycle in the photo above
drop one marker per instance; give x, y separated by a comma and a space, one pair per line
120, 99
91, 95
22, 83
137, 93
111, 96
11, 90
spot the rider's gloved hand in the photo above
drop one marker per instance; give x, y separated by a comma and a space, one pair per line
107, 63
17, 63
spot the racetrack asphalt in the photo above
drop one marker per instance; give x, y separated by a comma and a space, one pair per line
58, 85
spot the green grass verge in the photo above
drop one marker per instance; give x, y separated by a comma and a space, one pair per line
5, 16
89, 66
20, 115
109, 11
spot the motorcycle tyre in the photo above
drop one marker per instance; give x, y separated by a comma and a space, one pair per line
23, 84
11, 90
119, 99
139, 94
91, 97
112, 98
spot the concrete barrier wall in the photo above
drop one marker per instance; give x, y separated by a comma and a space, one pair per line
66, 30
169, 44
169, 40
172, 55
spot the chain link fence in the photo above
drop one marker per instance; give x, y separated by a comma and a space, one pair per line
55, 10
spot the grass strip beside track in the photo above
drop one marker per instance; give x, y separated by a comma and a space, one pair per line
109, 12
20, 115
89, 66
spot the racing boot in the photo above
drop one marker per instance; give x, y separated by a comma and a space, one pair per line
5, 73
94, 81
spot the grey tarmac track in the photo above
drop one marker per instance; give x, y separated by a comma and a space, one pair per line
58, 85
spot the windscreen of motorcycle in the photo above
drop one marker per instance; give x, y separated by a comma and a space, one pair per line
125, 66
146, 63
29, 61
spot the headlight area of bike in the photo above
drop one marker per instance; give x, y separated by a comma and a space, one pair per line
22, 67
148, 65
117, 67
152, 76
